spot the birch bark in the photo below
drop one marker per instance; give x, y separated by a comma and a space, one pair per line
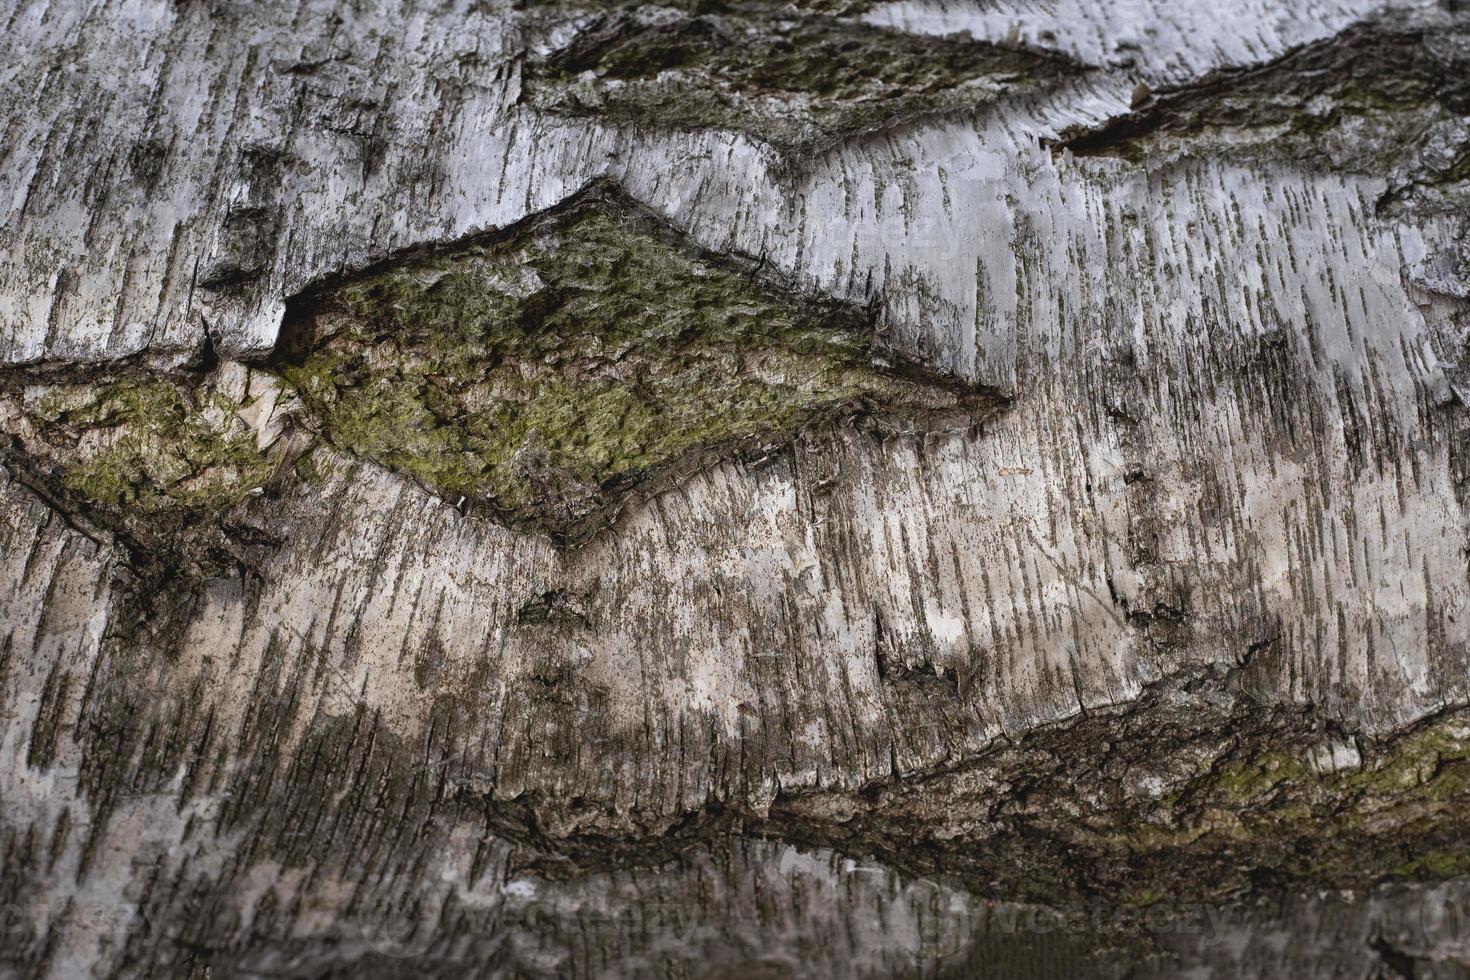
1125, 666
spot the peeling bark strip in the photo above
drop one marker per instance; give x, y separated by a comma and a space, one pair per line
1036, 435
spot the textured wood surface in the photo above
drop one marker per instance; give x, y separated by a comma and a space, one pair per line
1231, 444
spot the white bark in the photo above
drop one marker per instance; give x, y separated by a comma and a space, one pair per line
1235, 437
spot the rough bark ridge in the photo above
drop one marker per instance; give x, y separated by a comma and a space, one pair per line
735, 487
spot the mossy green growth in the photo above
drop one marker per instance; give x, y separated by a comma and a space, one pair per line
157, 450
1404, 812
795, 83
544, 375
1431, 763
1435, 864
1362, 101
1247, 781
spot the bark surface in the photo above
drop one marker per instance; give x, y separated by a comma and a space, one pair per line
735, 488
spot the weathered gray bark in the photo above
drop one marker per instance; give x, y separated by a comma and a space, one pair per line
1075, 580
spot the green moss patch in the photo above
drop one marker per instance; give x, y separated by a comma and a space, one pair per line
160, 465
1404, 812
1430, 763
149, 446
796, 83
544, 375
1368, 100
1190, 799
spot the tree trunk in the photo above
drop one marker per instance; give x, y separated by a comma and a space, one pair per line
748, 488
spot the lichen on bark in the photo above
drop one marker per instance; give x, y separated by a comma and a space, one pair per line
544, 374
1195, 793
1387, 98
797, 83
160, 461
161, 451
1182, 621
